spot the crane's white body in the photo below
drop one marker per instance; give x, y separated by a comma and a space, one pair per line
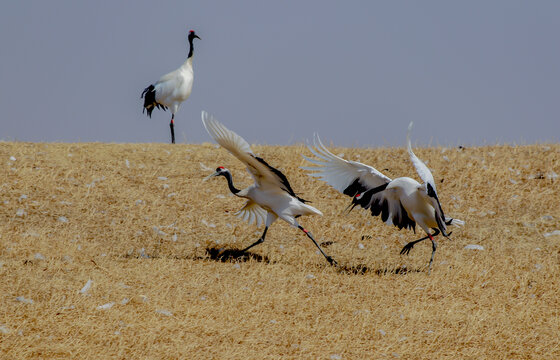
402, 202
175, 87
277, 202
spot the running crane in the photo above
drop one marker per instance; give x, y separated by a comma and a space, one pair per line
171, 89
402, 202
271, 196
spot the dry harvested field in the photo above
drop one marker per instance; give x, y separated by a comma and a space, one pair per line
137, 220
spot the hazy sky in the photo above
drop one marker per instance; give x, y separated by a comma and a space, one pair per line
357, 72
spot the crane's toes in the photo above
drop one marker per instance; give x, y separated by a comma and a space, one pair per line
332, 261
406, 249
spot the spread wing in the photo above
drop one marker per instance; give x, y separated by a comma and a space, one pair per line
366, 185
426, 176
387, 204
252, 212
262, 172
348, 177
421, 168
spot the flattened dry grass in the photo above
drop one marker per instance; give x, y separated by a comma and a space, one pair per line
138, 221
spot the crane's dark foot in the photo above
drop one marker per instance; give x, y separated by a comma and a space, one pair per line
255, 243
406, 249
332, 261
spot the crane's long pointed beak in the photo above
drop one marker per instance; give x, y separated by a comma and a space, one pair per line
210, 176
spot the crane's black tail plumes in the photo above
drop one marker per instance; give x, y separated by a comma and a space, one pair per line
149, 95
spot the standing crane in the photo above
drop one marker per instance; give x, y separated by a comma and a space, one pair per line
171, 89
271, 196
402, 202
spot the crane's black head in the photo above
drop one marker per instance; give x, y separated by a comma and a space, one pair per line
220, 171
192, 35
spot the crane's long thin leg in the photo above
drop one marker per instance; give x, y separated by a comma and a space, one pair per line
434, 247
406, 249
329, 259
258, 241
172, 127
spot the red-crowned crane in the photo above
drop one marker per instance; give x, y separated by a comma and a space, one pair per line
171, 89
271, 196
402, 202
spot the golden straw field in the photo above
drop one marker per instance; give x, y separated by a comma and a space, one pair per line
137, 220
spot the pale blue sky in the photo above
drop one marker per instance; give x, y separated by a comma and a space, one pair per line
357, 72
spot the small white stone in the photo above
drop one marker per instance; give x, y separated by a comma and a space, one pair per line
105, 306
174, 238
125, 301
547, 217
164, 312
361, 246
139, 202
513, 181
63, 219
382, 332
12, 158
22, 197
4, 330
39, 256
348, 227
273, 321
310, 276
336, 357
24, 300
553, 233
20, 213
127, 163
552, 175
445, 158
170, 195
86, 287
473, 247
162, 178
142, 253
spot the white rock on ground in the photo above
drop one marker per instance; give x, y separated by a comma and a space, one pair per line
164, 312
105, 306
474, 247
24, 300
553, 233
86, 287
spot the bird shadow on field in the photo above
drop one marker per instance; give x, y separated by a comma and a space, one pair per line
234, 255
361, 269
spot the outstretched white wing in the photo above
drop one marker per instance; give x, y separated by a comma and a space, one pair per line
421, 168
262, 172
348, 177
252, 212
